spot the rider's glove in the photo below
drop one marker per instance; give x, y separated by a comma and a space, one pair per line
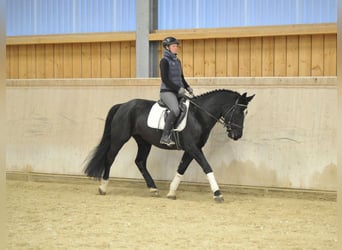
181, 92
189, 89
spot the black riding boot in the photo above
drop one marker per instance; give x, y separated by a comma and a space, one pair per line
166, 136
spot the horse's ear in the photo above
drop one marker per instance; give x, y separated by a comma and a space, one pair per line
244, 95
249, 98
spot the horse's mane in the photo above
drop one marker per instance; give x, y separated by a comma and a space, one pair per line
216, 91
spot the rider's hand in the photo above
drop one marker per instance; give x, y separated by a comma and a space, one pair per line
181, 92
189, 89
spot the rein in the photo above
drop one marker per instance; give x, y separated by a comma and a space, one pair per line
221, 120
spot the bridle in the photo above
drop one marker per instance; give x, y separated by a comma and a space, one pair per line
222, 120
232, 110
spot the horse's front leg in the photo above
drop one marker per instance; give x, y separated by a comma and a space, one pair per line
198, 155
183, 165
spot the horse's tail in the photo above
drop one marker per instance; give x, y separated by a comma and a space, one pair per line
98, 157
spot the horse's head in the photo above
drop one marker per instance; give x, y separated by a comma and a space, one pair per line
235, 116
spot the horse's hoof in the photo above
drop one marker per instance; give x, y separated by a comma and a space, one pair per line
101, 192
154, 192
218, 198
171, 197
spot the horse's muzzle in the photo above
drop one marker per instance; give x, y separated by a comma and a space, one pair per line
234, 134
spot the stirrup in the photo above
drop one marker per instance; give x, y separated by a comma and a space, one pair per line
168, 142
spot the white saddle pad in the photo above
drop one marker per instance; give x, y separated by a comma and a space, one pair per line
156, 117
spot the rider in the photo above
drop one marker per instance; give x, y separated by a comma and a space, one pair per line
173, 85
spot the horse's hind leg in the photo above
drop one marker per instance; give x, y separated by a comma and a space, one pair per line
105, 180
112, 153
144, 149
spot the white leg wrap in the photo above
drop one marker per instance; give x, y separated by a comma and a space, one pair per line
103, 186
213, 184
174, 184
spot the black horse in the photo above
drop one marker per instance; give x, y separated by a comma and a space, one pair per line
129, 119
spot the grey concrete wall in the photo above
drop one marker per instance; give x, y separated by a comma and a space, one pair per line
289, 137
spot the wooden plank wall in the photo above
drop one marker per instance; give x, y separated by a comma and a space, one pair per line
307, 55
222, 54
71, 60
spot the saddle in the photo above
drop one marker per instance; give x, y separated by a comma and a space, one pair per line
159, 112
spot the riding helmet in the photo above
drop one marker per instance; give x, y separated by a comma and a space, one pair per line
168, 41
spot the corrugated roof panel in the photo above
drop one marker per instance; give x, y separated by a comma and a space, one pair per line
36, 17
33, 17
234, 13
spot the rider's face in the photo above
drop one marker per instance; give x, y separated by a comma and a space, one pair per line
173, 48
